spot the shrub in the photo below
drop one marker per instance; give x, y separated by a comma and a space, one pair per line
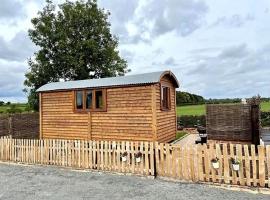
13, 109
189, 121
265, 118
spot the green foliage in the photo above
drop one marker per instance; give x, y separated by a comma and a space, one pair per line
189, 121
74, 43
14, 109
19, 107
222, 101
185, 98
2, 103
200, 109
265, 119
180, 134
191, 110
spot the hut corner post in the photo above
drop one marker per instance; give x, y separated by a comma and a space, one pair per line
154, 113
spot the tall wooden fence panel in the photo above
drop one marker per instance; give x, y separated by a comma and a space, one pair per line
194, 163
99, 155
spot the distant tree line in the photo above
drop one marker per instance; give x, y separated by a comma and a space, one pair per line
185, 98
2, 103
220, 101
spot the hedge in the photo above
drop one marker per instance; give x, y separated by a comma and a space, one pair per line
189, 121
265, 118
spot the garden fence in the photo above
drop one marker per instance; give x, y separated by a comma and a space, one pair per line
195, 163
99, 155
191, 163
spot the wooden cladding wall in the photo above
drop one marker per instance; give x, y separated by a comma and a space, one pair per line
58, 119
128, 116
166, 119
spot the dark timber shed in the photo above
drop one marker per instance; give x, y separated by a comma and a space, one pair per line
138, 107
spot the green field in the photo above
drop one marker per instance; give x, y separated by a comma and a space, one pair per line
21, 106
200, 109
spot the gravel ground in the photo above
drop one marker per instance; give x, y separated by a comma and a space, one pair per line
37, 182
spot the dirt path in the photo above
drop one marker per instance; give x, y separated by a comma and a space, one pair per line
36, 182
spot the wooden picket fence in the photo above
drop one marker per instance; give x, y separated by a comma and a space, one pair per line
98, 155
193, 163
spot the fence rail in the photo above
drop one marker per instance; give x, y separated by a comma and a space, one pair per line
192, 163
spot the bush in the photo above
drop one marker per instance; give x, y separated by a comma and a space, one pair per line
189, 121
265, 118
13, 109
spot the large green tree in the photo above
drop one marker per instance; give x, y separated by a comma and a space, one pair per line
74, 43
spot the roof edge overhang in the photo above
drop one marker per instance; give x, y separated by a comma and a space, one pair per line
99, 87
172, 76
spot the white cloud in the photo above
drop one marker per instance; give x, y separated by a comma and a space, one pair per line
216, 48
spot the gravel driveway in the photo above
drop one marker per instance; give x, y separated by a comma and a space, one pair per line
36, 182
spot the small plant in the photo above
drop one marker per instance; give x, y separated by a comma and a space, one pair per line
124, 156
235, 164
138, 157
235, 161
215, 163
215, 160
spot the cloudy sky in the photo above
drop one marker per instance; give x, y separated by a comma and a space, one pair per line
216, 48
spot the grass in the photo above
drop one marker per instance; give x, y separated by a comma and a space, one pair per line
180, 134
200, 109
21, 106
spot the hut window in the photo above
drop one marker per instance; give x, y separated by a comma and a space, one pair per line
89, 99
165, 98
99, 99
79, 100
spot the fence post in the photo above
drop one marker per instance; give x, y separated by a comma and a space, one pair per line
268, 163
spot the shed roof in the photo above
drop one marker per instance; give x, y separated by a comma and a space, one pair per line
137, 79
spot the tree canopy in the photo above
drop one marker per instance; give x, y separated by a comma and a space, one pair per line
75, 42
185, 98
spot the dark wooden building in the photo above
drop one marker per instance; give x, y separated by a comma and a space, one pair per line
138, 107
